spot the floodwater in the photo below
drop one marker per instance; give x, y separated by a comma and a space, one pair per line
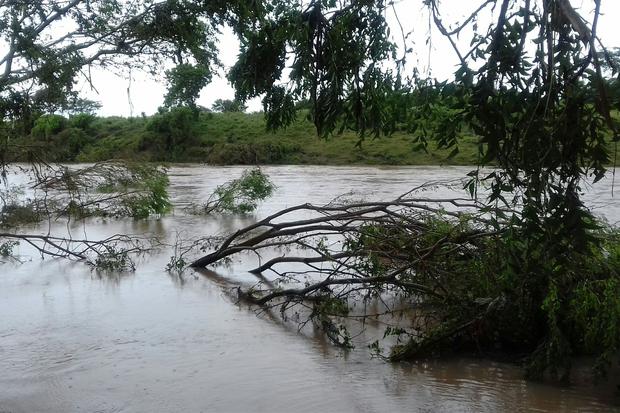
73, 340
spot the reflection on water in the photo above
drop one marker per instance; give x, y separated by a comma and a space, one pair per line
75, 340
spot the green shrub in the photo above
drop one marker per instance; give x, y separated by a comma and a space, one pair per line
171, 132
240, 195
83, 121
152, 198
511, 295
69, 143
47, 125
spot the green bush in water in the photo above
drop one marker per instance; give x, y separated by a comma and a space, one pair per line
503, 293
151, 197
241, 195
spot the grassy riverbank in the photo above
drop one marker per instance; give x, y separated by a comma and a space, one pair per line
226, 138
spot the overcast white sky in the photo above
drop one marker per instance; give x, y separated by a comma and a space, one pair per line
147, 93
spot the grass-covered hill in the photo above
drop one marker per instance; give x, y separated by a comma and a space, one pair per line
222, 138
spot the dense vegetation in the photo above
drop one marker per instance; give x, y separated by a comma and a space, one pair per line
182, 135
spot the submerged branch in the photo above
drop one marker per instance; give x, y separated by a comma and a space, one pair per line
111, 253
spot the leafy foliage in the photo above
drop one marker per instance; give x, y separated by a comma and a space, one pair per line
152, 198
172, 130
185, 83
48, 125
142, 188
7, 247
240, 195
83, 121
498, 295
227, 105
103, 189
104, 32
114, 260
336, 53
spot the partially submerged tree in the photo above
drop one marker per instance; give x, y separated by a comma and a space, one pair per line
530, 86
239, 195
105, 190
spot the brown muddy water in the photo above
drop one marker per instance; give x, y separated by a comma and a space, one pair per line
73, 340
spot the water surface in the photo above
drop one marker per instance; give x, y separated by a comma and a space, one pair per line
75, 340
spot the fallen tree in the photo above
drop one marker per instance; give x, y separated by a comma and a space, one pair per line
339, 253
450, 266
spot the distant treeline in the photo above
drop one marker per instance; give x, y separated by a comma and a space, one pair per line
193, 135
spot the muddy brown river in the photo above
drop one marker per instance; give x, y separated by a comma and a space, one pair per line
74, 340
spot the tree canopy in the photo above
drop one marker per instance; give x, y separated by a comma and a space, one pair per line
47, 47
530, 86
227, 105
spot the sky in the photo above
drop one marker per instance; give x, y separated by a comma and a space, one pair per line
120, 96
